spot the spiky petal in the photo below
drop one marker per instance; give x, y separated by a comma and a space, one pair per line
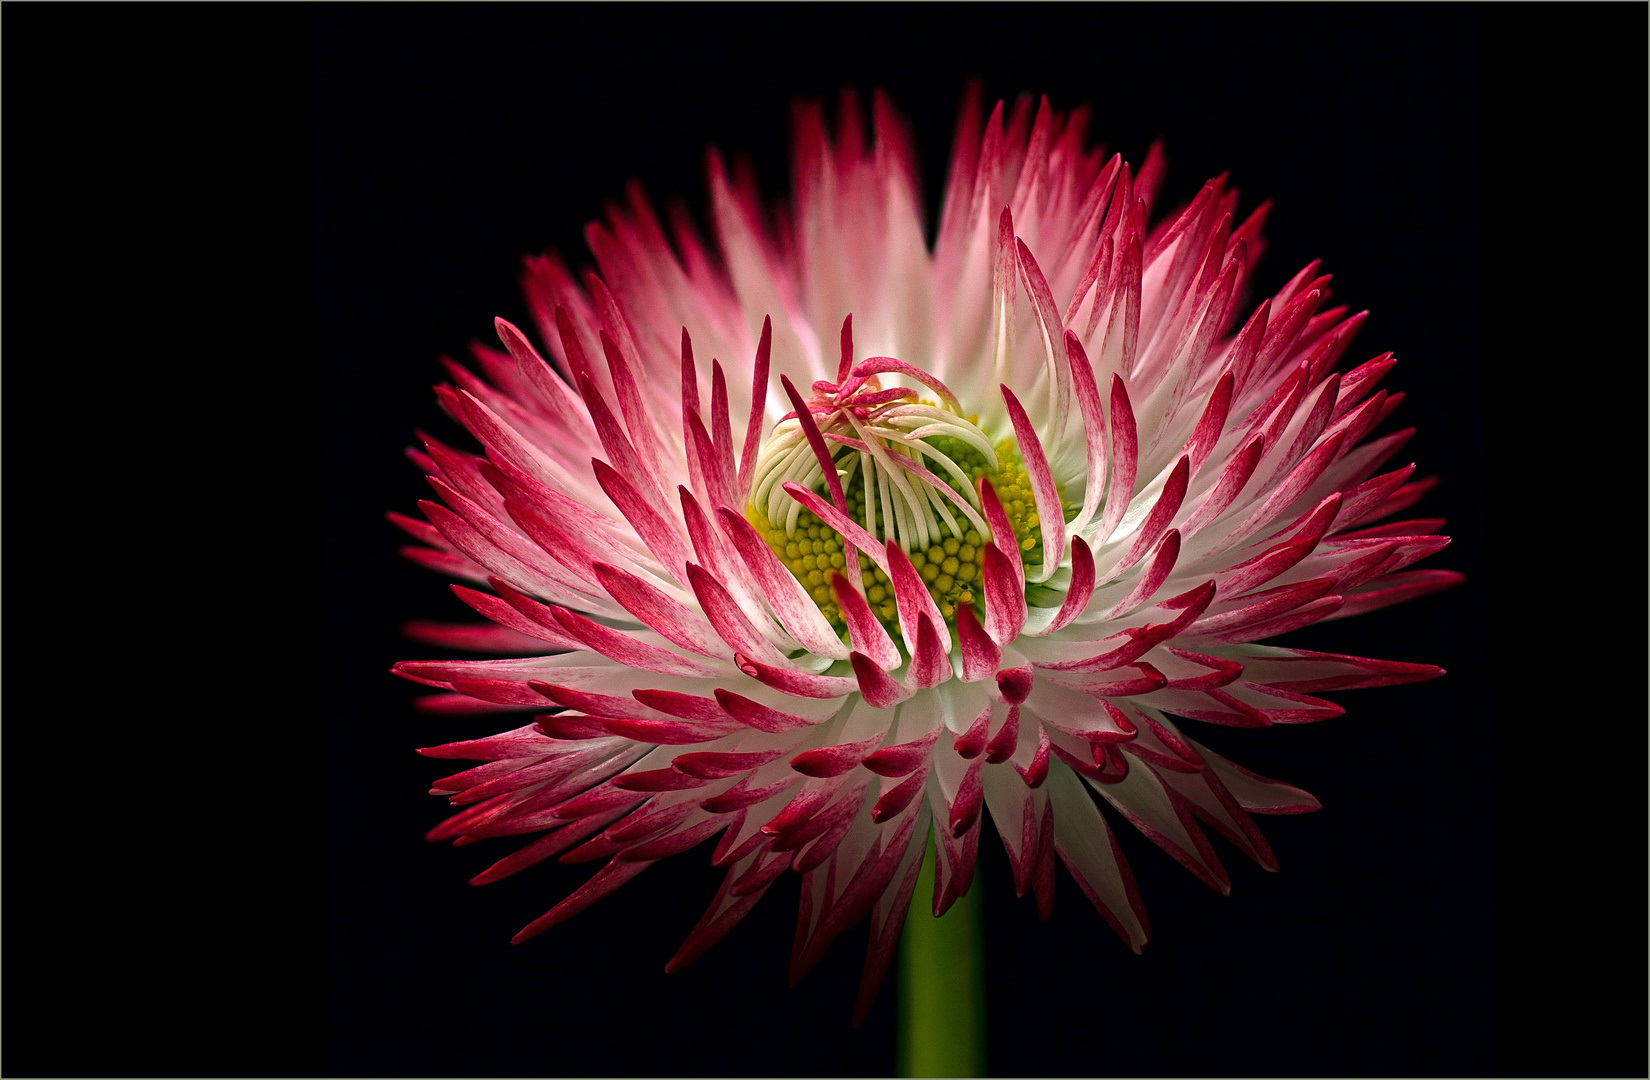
992, 515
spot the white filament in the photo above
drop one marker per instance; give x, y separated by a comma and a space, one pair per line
913, 512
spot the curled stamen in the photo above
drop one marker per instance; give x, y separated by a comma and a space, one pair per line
913, 523
876, 365
882, 397
928, 422
908, 455
903, 465
918, 446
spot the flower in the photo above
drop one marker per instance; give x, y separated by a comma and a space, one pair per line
969, 530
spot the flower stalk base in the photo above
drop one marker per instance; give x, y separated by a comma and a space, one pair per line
942, 984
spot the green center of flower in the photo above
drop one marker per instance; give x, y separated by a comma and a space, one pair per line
891, 466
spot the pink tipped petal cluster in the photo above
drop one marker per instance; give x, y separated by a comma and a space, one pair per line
830, 542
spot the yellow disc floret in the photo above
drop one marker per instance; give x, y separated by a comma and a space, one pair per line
950, 565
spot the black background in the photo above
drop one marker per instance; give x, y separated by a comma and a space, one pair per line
238, 237
451, 141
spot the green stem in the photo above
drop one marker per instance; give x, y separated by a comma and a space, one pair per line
942, 983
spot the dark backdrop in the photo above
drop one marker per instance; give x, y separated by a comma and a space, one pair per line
201, 202
1507, 276
451, 141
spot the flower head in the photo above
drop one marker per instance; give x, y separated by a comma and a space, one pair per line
829, 541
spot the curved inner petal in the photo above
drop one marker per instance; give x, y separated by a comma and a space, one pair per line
908, 471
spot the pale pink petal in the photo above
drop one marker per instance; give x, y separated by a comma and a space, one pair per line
686, 686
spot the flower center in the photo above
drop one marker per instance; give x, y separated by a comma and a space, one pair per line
908, 469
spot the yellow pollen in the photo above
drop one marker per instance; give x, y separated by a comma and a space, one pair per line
948, 565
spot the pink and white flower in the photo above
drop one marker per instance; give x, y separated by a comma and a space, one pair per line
829, 540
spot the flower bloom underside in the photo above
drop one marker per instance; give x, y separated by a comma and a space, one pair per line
954, 533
